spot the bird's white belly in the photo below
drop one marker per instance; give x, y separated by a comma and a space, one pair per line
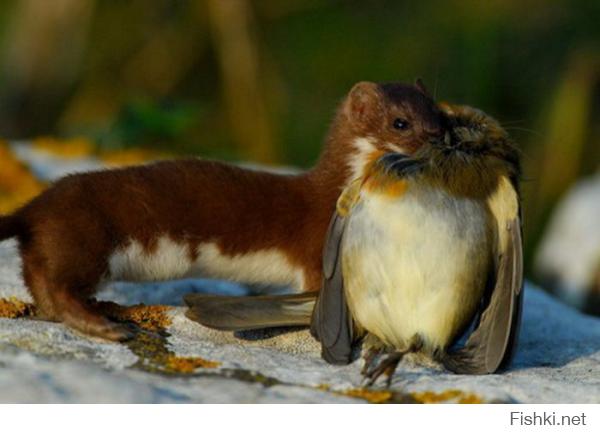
416, 267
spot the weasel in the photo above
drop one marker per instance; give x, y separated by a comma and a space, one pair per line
194, 217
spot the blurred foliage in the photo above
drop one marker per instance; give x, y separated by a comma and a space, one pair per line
17, 184
144, 122
83, 147
260, 80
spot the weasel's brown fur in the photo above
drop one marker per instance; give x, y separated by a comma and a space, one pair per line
68, 235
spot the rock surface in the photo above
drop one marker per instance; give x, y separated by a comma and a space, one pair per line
558, 359
179, 361
568, 258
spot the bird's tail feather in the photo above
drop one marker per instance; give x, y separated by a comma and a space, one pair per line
252, 312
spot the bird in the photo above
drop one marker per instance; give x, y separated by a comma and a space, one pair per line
423, 254
425, 249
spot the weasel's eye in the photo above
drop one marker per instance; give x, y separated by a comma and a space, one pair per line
400, 124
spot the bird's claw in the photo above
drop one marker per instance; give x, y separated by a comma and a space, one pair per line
377, 365
369, 357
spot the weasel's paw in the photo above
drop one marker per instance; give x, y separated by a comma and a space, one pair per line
102, 328
118, 332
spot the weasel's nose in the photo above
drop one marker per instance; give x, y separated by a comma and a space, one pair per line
447, 138
441, 137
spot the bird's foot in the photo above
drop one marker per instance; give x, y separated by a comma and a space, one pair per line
378, 363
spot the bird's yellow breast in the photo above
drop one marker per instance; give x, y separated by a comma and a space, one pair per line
415, 262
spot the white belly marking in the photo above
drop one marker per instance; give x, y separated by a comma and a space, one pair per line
171, 260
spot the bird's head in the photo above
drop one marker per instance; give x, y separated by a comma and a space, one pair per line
474, 153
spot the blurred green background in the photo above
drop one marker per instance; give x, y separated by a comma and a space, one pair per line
259, 80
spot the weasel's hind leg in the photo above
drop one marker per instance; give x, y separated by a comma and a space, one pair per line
56, 302
77, 313
61, 273
35, 281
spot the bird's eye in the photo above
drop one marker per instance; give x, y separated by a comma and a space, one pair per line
400, 124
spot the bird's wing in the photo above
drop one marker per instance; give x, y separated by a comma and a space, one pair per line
252, 312
331, 321
492, 343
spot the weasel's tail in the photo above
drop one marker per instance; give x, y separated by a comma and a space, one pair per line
9, 227
252, 312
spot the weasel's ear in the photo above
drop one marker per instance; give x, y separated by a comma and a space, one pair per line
421, 86
364, 102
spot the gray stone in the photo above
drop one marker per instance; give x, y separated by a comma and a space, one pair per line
568, 257
558, 360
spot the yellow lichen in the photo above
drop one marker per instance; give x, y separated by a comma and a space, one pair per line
447, 396
17, 184
77, 147
152, 318
14, 308
150, 346
372, 396
149, 317
155, 356
186, 365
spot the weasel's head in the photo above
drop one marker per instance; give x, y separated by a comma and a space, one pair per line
391, 117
